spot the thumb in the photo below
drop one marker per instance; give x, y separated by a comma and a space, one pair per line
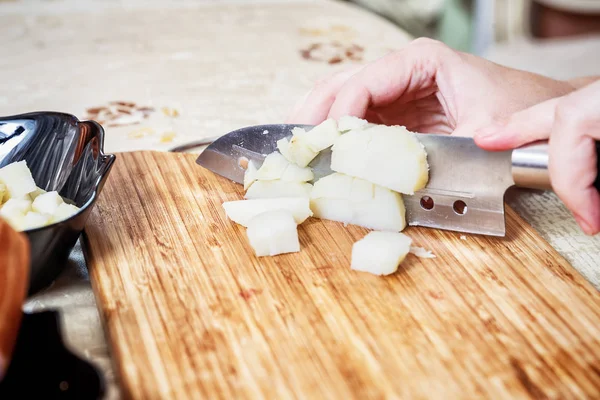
523, 127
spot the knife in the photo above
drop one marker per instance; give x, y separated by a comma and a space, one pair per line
466, 187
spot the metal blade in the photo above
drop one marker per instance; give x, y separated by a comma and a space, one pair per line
226, 155
459, 172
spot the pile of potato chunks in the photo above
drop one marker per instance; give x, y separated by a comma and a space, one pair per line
24, 205
373, 166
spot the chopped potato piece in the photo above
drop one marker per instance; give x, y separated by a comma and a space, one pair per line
47, 203
276, 166
250, 175
421, 252
341, 198
241, 211
334, 186
283, 145
340, 210
273, 232
33, 195
349, 123
3, 193
321, 136
295, 173
33, 220
12, 206
389, 156
278, 188
18, 179
298, 150
64, 211
273, 167
380, 253
305, 146
27, 206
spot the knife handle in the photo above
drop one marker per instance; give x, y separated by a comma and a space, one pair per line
530, 166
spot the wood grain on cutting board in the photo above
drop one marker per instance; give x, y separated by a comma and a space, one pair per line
190, 312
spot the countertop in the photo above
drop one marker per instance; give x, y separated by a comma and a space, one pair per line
161, 74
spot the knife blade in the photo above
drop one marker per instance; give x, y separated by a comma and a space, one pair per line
466, 187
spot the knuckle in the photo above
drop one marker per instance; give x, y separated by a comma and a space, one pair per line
567, 112
431, 45
424, 41
323, 85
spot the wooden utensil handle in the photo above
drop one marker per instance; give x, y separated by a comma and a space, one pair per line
14, 278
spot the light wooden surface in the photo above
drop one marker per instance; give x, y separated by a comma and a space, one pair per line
191, 312
221, 64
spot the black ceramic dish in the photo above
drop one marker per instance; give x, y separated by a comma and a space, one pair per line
66, 155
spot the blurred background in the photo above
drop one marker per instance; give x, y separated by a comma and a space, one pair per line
559, 38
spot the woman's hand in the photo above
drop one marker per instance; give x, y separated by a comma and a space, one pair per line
572, 125
429, 88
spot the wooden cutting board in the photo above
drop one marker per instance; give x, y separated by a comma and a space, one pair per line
190, 312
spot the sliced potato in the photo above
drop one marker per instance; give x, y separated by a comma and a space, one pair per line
278, 188
389, 156
250, 175
33, 195
341, 198
340, 210
380, 253
64, 211
47, 203
298, 151
3, 193
276, 166
33, 220
273, 167
273, 232
321, 136
295, 173
334, 186
283, 145
12, 206
349, 123
385, 212
18, 179
14, 210
27, 206
241, 211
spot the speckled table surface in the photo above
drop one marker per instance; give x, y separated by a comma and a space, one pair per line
159, 74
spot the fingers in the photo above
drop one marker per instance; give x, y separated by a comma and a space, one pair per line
313, 108
527, 126
573, 158
408, 74
404, 75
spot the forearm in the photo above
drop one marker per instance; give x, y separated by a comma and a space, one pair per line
583, 81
